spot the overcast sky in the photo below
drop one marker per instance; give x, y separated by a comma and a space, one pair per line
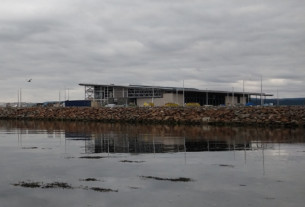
207, 43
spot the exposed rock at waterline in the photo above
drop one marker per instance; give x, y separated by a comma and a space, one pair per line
264, 116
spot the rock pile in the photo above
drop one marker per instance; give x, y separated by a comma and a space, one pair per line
271, 116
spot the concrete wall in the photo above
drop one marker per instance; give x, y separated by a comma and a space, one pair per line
167, 98
228, 100
120, 92
243, 100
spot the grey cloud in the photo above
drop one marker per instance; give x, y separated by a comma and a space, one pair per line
214, 44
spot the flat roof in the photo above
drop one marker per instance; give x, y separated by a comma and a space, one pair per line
174, 89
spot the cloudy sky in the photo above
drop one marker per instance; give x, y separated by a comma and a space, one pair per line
214, 44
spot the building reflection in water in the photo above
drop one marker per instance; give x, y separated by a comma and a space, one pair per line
130, 138
147, 143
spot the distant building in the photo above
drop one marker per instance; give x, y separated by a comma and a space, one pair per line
140, 94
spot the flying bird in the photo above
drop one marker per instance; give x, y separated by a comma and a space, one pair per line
30, 80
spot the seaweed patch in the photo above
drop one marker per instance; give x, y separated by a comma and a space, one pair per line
89, 179
57, 185
28, 184
225, 165
131, 161
92, 157
180, 179
103, 189
29, 148
62, 185
31, 184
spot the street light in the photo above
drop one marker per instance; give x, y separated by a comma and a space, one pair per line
206, 97
183, 95
232, 96
20, 93
262, 101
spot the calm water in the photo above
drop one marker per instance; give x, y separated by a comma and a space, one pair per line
94, 164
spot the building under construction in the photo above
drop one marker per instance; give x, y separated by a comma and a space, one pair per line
141, 94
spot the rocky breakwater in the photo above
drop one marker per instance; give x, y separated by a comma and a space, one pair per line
264, 116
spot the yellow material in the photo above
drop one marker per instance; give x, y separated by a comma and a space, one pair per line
193, 104
171, 105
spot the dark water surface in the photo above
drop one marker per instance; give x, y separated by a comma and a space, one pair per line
95, 164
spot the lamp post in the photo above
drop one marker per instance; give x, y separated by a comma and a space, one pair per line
232, 96
177, 99
19, 97
277, 97
153, 95
244, 101
262, 101
207, 97
183, 95
20, 93
67, 94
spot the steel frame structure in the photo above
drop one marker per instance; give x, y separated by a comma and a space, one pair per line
104, 93
145, 92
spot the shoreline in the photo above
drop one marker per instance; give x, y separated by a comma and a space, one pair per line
270, 116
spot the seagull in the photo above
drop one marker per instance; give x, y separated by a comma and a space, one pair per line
30, 80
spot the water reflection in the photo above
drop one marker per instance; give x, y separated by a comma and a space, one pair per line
243, 172
127, 138
116, 143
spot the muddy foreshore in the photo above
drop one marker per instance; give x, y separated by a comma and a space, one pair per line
244, 116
